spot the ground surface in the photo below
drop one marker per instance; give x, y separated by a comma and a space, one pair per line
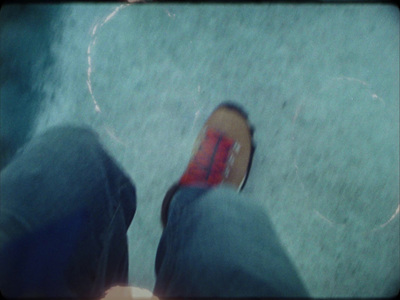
320, 84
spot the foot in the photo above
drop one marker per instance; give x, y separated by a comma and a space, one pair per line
222, 153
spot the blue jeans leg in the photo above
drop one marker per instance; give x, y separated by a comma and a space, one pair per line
218, 244
65, 209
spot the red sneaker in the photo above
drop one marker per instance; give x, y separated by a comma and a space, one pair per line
222, 153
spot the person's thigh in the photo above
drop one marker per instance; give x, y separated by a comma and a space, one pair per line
219, 244
65, 209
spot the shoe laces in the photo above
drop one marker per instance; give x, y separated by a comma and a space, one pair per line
211, 164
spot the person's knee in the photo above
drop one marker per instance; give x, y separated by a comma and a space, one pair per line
65, 142
70, 135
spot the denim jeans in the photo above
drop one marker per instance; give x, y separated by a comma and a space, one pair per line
65, 209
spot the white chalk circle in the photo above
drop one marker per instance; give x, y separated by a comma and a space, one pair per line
345, 152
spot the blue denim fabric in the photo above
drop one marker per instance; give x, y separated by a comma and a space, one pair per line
65, 209
219, 244
64, 212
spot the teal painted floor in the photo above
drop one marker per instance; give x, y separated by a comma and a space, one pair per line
320, 84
